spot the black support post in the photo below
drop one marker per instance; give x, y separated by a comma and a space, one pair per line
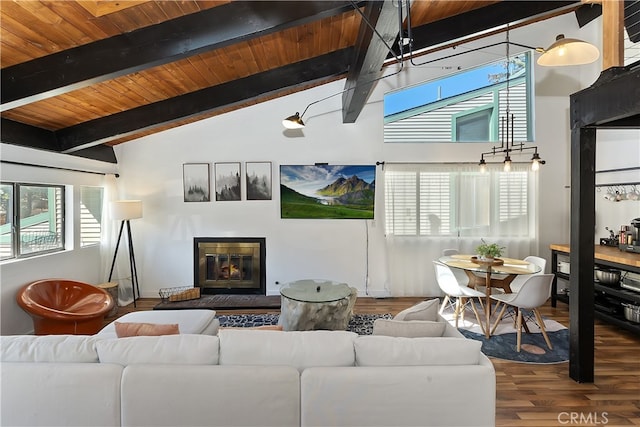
581, 302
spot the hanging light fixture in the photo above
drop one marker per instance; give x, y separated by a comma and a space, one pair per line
567, 51
507, 126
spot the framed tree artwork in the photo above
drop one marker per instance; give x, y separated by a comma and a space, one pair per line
258, 180
227, 181
196, 179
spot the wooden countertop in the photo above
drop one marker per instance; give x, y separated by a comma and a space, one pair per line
606, 253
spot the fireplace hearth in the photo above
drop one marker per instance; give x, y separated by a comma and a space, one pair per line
229, 265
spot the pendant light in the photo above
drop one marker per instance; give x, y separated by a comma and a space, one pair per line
567, 51
507, 126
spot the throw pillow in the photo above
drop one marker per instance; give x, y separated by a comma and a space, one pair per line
426, 310
408, 329
150, 329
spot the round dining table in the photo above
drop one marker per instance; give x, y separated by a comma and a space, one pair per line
507, 269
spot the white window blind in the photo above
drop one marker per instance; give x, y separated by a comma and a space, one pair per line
459, 200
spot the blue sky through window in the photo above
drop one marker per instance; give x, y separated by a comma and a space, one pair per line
443, 88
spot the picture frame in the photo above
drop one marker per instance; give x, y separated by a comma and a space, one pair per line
196, 180
258, 180
324, 191
227, 186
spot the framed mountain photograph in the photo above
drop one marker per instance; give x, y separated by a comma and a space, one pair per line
327, 191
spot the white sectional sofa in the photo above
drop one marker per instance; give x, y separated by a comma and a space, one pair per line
245, 377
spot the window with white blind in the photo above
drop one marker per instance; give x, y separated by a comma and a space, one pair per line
90, 215
458, 200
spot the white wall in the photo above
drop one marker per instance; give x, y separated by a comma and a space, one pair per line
345, 250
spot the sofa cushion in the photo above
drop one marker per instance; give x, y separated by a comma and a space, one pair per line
408, 328
425, 310
131, 329
189, 321
401, 351
300, 349
167, 349
60, 394
49, 348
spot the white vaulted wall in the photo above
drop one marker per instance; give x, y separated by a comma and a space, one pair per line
352, 251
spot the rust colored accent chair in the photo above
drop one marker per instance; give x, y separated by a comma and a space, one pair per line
59, 306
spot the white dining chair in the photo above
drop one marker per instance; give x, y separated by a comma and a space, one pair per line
517, 283
535, 291
453, 290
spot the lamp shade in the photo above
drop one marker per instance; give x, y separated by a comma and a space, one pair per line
293, 122
126, 209
568, 52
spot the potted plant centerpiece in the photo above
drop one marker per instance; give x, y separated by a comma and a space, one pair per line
489, 251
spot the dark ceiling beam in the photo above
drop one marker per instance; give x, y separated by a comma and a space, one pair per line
601, 104
12, 132
158, 44
483, 19
371, 52
103, 153
587, 13
292, 76
16, 133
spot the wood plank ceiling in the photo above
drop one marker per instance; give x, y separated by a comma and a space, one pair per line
79, 77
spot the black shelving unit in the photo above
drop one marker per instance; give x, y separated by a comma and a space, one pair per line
609, 299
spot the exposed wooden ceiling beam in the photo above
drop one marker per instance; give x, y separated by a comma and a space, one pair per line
371, 52
159, 44
106, 129
41, 139
612, 33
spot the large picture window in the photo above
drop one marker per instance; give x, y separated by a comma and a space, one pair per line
458, 200
31, 219
465, 106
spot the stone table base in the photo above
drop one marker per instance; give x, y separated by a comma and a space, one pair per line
308, 316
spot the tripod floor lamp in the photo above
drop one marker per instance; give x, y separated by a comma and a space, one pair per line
124, 211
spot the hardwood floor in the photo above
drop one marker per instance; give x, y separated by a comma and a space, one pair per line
542, 395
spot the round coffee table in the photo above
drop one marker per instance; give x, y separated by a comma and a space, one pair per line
316, 304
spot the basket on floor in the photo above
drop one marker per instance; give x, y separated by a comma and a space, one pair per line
183, 293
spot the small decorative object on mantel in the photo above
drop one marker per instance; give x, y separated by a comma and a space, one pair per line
489, 251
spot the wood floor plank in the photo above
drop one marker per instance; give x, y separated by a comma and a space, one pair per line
539, 395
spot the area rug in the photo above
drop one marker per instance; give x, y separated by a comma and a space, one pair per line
362, 324
502, 343
223, 302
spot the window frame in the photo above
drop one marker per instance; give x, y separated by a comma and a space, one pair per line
16, 228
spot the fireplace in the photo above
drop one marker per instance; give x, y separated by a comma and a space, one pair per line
229, 265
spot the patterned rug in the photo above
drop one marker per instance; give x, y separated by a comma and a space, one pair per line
361, 324
502, 343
